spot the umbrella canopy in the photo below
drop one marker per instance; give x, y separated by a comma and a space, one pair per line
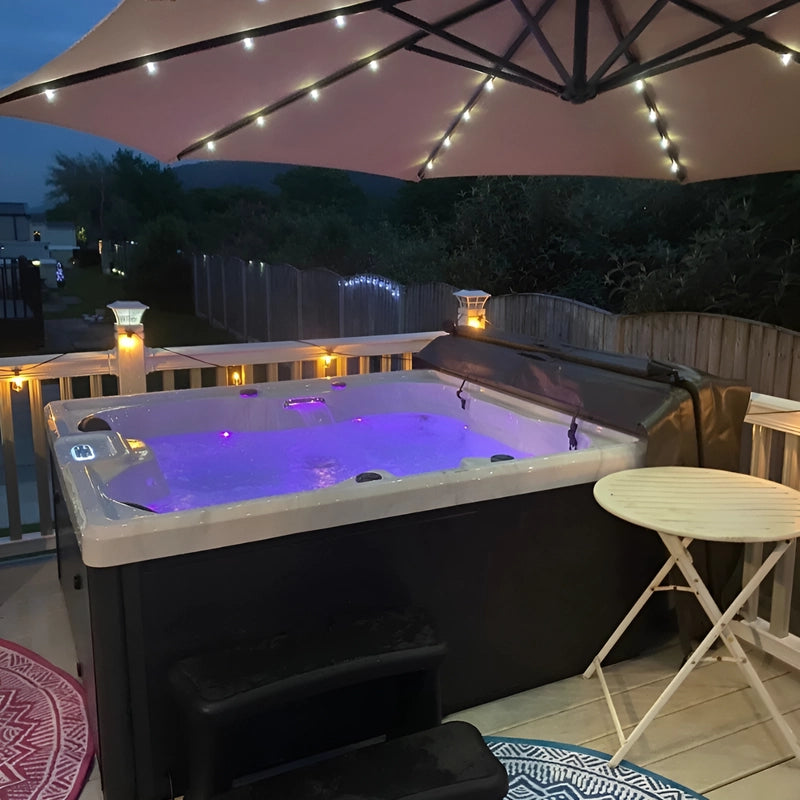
418, 88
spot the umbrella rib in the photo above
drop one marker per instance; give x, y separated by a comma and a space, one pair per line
334, 77
510, 52
195, 47
541, 83
533, 27
624, 42
438, 31
752, 36
580, 47
632, 72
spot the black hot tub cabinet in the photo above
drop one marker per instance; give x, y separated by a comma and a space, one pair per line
524, 589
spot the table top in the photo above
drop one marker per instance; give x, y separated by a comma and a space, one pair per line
707, 504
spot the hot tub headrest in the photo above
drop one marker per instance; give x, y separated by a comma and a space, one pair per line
690, 418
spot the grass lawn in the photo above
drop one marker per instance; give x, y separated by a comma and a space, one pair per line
162, 328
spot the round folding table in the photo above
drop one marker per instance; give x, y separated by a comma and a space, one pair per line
683, 504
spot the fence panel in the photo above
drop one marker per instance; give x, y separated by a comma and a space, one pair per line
201, 298
235, 292
372, 306
255, 299
426, 306
216, 291
285, 323
320, 303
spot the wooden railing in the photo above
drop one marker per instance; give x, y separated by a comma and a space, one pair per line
775, 455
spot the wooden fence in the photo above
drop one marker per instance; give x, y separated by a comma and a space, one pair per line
277, 302
261, 302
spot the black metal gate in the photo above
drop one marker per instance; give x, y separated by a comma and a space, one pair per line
21, 316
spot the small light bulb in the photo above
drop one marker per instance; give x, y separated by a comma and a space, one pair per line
429, 166
211, 146
326, 360
248, 43
447, 141
373, 65
664, 143
639, 86
151, 68
314, 94
236, 378
786, 59
673, 167
490, 85
653, 115
50, 94
340, 22
17, 383
465, 116
260, 122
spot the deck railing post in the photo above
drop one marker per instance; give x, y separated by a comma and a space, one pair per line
129, 346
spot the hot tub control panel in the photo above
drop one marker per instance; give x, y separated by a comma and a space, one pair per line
91, 446
82, 452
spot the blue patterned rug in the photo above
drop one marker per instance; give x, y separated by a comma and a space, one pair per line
553, 771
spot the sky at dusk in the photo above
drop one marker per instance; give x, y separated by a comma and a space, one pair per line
33, 32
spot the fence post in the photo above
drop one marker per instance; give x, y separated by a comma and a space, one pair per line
129, 349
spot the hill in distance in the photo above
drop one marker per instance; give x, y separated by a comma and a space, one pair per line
259, 175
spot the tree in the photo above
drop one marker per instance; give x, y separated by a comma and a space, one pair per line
161, 275
79, 185
305, 188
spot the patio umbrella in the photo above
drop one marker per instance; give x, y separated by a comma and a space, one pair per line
416, 88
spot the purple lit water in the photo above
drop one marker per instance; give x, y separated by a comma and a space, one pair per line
210, 468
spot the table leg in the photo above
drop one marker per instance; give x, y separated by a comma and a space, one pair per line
631, 615
720, 621
722, 630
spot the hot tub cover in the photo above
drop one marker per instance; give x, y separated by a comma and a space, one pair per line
688, 417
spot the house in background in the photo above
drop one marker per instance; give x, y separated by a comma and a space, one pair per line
32, 236
45, 244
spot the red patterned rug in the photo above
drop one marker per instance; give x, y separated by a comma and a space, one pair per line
45, 745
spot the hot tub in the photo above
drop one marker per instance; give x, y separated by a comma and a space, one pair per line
174, 474
196, 520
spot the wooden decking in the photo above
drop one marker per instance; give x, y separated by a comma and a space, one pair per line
712, 736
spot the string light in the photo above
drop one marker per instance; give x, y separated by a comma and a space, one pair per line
340, 22
373, 65
260, 121
786, 59
17, 382
446, 141
152, 68
664, 141
367, 280
314, 94
211, 146
248, 43
50, 94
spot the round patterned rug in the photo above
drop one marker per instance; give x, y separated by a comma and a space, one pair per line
552, 771
45, 745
